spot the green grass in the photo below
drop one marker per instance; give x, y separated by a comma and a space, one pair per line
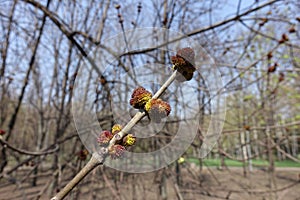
233, 163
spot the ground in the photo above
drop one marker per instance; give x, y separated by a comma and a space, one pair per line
211, 183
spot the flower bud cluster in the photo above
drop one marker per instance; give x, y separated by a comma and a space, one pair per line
184, 62
118, 149
156, 108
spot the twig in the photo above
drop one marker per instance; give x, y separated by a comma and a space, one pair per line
202, 30
177, 190
31, 153
92, 164
98, 158
110, 186
139, 115
43, 189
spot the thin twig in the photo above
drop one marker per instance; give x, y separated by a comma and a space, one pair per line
5, 144
139, 115
92, 164
98, 158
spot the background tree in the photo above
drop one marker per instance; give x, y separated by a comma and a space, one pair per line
43, 44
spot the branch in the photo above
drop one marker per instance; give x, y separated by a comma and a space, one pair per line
22, 151
98, 158
92, 164
233, 131
201, 30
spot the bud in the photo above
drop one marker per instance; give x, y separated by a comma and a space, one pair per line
116, 151
247, 127
270, 55
283, 39
102, 80
184, 62
281, 77
272, 68
104, 137
117, 6
2, 132
140, 97
129, 140
263, 21
116, 129
139, 7
82, 155
292, 29
157, 109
